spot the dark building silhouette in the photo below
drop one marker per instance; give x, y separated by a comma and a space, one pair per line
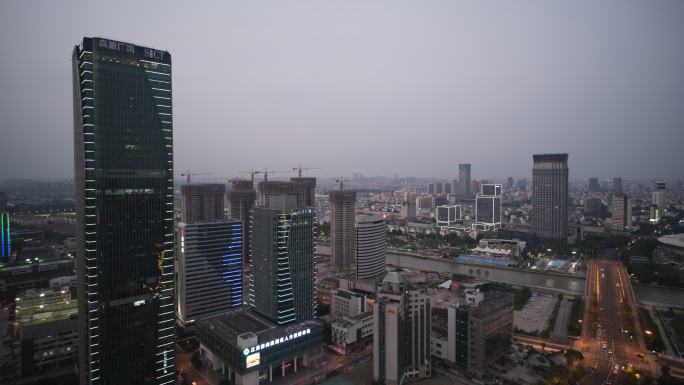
241, 198
342, 213
202, 202
550, 198
464, 181
123, 161
303, 189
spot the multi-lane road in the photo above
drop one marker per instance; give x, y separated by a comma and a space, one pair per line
612, 338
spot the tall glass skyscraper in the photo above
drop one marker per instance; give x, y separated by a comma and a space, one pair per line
283, 269
464, 181
123, 153
550, 198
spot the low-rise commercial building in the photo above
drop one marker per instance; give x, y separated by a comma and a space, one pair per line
346, 304
248, 349
350, 331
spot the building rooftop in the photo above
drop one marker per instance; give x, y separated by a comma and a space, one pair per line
676, 240
229, 327
48, 328
493, 301
394, 276
347, 294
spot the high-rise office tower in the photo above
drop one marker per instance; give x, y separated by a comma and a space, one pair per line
617, 184
658, 201
5, 240
371, 246
550, 198
342, 214
209, 269
510, 182
522, 184
482, 329
401, 331
424, 202
202, 202
447, 187
488, 207
283, 271
594, 185
123, 161
431, 188
241, 198
408, 206
621, 212
439, 188
464, 181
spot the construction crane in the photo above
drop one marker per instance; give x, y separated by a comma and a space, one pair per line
188, 174
265, 171
251, 172
300, 168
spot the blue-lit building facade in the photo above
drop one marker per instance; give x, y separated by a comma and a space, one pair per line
5, 241
123, 168
210, 265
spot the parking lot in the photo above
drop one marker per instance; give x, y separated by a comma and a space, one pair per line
534, 317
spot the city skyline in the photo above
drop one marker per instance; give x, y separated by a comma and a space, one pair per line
559, 89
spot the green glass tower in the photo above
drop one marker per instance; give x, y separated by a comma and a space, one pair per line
283, 270
123, 160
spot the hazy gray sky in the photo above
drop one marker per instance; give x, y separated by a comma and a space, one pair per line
387, 87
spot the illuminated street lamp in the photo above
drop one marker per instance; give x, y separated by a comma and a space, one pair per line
648, 332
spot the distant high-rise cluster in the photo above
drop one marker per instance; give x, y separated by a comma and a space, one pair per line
550, 198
